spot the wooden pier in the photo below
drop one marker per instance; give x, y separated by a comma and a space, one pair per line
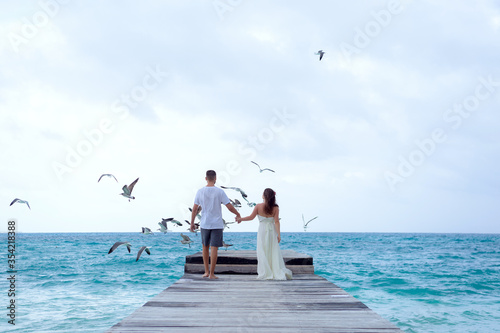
237, 302
245, 262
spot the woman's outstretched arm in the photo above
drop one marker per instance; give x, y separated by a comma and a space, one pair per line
249, 217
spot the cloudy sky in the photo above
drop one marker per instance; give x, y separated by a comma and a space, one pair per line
394, 130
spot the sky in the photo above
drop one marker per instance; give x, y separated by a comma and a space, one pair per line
394, 130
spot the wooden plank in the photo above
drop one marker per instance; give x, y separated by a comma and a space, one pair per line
241, 303
250, 258
243, 269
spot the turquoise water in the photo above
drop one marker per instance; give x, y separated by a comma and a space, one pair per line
421, 282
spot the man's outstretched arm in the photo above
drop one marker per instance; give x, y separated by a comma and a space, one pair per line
233, 210
193, 216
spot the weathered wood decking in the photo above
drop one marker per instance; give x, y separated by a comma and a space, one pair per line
240, 303
245, 262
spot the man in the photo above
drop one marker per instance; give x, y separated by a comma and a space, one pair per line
210, 199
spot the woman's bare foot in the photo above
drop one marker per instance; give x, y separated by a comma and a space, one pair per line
206, 275
213, 276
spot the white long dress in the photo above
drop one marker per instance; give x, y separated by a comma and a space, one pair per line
270, 263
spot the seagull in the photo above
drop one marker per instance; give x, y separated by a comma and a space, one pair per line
226, 223
163, 226
226, 245
306, 223
261, 168
115, 245
236, 203
243, 194
196, 226
107, 175
146, 231
20, 201
127, 190
250, 204
142, 250
197, 213
320, 53
175, 222
186, 240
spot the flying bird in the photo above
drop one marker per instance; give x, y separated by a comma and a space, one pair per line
320, 53
115, 245
226, 223
146, 248
186, 240
197, 213
107, 175
21, 202
196, 226
163, 225
146, 231
236, 203
127, 190
226, 245
250, 204
175, 222
306, 223
261, 168
243, 194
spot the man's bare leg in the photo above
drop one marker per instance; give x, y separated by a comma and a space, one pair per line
205, 260
213, 261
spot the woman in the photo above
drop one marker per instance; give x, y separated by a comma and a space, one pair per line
270, 264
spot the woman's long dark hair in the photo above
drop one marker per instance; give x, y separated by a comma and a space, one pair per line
270, 199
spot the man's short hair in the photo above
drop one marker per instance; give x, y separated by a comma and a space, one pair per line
211, 175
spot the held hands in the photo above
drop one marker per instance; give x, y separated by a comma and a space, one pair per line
238, 219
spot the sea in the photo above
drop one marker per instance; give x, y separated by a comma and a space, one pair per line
67, 282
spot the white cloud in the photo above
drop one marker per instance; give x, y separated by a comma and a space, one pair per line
218, 107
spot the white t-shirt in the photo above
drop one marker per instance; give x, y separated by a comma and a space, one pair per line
210, 199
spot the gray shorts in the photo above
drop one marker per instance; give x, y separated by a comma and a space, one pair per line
211, 237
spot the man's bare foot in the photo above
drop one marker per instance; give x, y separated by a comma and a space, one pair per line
206, 275
213, 276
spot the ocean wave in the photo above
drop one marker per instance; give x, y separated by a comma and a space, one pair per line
422, 283
416, 292
389, 282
